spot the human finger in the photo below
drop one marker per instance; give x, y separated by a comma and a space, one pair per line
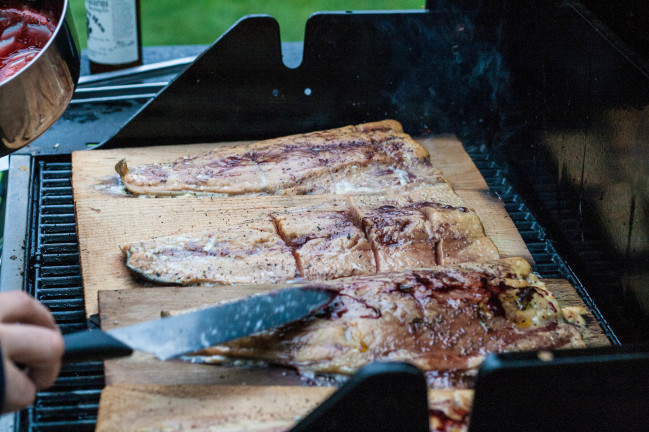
39, 349
18, 306
19, 390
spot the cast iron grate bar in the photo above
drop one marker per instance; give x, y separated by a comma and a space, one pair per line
54, 277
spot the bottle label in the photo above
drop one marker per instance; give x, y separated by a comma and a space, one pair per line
112, 31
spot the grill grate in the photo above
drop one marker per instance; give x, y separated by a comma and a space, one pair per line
549, 263
53, 276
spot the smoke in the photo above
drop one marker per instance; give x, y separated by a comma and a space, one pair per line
460, 84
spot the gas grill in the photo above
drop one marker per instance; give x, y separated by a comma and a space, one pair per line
514, 80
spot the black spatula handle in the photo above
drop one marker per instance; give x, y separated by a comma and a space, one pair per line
91, 345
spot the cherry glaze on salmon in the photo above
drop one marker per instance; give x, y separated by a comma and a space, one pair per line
365, 157
444, 320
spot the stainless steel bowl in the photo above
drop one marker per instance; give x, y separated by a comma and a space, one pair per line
35, 97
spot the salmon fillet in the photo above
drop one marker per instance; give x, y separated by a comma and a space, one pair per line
478, 249
444, 320
230, 171
244, 254
378, 177
374, 233
459, 234
425, 226
401, 238
298, 164
302, 157
446, 211
286, 162
327, 243
365, 180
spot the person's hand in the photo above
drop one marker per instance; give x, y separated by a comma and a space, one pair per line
32, 348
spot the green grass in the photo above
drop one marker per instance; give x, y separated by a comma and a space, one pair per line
188, 22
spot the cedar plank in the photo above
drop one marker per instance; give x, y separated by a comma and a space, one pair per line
124, 407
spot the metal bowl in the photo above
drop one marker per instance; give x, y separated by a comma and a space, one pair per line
35, 97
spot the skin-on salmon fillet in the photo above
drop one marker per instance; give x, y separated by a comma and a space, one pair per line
422, 227
377, 178
374, 233
228, 170
339, 160
401, 237
327, 243
245, 254
444, 320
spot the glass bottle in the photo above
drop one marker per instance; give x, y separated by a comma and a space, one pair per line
114, 34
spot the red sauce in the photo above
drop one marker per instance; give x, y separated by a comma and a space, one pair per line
23, 33
337, 308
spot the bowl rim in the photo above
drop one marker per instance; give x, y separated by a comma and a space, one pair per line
63, 14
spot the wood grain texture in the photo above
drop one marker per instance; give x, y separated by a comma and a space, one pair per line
205, 408
137, 407
125, 307
448, 155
